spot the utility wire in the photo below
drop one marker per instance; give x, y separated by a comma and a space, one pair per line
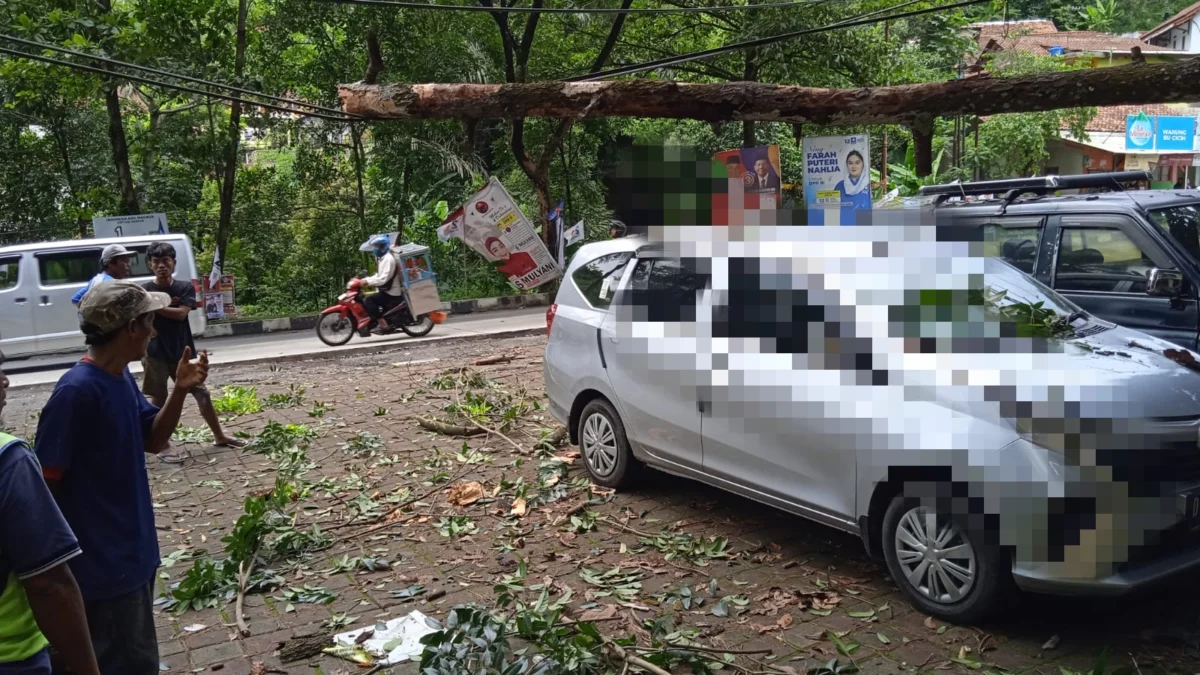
167, 85
167, 73
861, 20
570, 10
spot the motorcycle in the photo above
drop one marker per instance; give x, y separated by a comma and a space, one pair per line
338, 323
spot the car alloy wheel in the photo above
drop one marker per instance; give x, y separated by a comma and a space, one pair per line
935, 556
599, 444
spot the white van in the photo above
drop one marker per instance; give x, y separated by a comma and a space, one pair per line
38, 280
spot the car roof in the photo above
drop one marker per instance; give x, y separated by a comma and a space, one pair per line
92, 243
589, 252
1096, 202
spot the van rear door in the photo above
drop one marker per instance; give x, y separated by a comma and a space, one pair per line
61, 272
18, 337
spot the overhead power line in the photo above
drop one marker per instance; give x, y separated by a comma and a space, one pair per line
167, 73
401, 4
861, 20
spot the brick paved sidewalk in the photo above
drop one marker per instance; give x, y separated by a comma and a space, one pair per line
811, 593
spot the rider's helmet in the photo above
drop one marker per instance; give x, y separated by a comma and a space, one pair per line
380, 243
617, 229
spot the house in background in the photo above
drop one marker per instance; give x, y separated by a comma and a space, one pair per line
1180, 32
1105, 147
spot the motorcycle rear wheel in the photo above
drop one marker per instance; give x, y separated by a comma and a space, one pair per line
421, 328
335, 330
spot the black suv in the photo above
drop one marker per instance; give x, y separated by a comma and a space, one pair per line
1129, 257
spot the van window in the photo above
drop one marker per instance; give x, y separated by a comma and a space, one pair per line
9, 268
667, 289
68, 267
139, 265
597, 280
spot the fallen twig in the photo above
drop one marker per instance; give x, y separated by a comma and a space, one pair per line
625, 527
504, 358
403, 505
244, 572
632, 659
447, 429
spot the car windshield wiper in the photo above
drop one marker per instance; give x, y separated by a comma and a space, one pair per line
1077, 316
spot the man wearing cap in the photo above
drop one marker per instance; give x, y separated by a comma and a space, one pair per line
91, 440
115, 262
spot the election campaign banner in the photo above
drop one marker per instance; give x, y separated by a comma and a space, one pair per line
492, 224
218, 297
837, 179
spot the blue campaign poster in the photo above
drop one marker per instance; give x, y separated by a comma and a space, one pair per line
1176, 134
837, 179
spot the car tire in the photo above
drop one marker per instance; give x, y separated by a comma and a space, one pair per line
960, 602
604, 446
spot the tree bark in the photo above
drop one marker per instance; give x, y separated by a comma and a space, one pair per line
1122, 85
235, 135
922, 133
116, 137
120, 151
361, 205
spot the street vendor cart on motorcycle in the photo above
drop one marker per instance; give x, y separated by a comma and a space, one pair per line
416, 314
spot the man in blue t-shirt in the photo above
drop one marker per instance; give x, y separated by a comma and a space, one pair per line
39, 600
116, 262
91, 440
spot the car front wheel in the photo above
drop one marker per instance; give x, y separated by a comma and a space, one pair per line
604, 447
944, 568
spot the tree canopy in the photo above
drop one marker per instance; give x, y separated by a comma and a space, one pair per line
300, 193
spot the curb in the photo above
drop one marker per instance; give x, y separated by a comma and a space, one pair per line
309, 321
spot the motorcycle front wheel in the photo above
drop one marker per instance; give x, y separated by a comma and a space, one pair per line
421, 328
335, 330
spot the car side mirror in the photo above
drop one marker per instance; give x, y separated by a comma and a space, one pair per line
1164, 283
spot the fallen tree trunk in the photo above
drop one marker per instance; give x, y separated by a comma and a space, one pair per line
907, 104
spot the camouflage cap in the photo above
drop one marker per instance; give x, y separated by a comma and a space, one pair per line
112, 305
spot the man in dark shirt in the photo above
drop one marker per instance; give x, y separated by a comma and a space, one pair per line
173, 335
91, 440
39, 599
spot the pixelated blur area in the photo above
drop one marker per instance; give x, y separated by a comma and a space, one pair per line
822, 361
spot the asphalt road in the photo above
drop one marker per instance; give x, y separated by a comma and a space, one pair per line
294, 345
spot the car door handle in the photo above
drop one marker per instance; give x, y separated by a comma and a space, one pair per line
20, 301
45, 301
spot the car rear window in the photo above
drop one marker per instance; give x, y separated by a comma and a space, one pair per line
597, 279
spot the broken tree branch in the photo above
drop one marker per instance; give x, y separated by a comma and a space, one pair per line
244, 572
632, 659
449, 429
1122, 85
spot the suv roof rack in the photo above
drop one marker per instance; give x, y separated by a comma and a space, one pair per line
1015, 187
1042, 184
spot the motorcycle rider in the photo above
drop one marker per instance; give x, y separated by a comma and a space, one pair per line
386, 281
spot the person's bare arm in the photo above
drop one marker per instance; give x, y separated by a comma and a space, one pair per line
58, 608
175, 313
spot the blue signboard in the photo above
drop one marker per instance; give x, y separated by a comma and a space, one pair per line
1176, 134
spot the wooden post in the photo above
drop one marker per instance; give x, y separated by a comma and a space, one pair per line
922, 132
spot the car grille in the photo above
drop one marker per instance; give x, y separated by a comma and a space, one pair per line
1159, 545
1155, 470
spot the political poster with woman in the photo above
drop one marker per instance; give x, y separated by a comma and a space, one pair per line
492, 224
837, 179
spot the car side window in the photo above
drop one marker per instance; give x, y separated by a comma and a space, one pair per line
1100, 259
667, 289
1017, 246
597, 280
68, 267
9, 269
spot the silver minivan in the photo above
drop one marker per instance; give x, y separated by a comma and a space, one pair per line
975, 429
38, 280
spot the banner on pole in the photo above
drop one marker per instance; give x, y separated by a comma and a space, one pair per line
218, 297
492, 224
837, 178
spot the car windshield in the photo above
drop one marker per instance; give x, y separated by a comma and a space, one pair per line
1019, 288
1181, 223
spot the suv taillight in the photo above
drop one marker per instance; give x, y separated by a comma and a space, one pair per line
550, 317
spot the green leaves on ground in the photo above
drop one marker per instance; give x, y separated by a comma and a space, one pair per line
616, 582
236, 401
